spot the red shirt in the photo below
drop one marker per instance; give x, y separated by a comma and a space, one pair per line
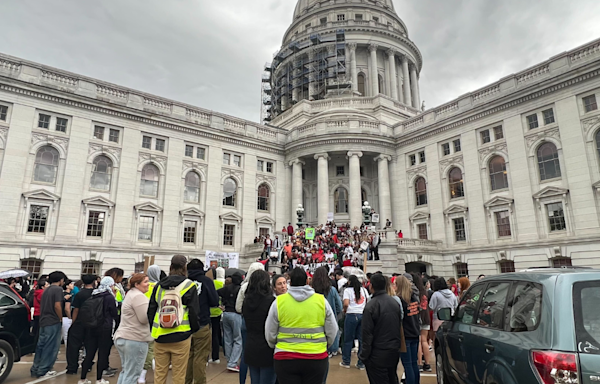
37, 303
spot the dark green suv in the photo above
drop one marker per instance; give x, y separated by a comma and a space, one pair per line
535, 326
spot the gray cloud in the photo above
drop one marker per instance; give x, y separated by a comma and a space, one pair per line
210, 53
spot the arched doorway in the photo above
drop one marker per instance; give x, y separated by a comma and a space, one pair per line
416, 267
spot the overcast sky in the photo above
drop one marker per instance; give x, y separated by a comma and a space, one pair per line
211, 53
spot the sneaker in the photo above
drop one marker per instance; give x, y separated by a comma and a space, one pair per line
142, 378
347, 366
426, 368
71, 372
360, 366
355, 350
102, 381
335, 353
84, 381
234, 369
214, 361
107, 373
49, 374
420, 368
112, 369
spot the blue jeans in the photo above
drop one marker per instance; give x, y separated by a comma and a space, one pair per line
232, 337
243, 365
133, 355
352, 331
336, 343
409, 361
262, 375
46, 350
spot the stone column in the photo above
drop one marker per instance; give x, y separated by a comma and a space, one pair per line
383, 178
406, 87
373, 68
353, 72
414, 85
311, 79
296, 185
393, 82
354, 200
322, 186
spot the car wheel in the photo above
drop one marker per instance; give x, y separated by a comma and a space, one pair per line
439, 367
7, 358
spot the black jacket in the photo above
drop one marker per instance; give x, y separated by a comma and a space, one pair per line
412, 318
230, 292
255, 310
381, 334
207, 295
190, 299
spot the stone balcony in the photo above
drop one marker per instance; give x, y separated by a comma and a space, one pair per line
408, 244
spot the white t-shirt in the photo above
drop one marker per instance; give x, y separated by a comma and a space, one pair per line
354, 306
341, 282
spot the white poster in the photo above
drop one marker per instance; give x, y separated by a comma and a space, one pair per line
330, 216
313, 267
375, 218
222, 259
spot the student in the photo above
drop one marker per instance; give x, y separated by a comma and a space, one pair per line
76, 334
355, 300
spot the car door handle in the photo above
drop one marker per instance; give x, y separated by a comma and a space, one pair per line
489, 348
461, 337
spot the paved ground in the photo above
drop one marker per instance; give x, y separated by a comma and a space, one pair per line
217, 373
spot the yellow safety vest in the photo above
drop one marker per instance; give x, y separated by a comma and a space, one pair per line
301, 324
150, 289
216, 311
157, 331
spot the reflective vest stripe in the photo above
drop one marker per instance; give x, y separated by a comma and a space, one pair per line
184, 322
301, 340
302, 330
157, 331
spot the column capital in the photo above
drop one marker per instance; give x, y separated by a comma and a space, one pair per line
373, 47
390, 52
296, 161
351, 46
324, 155
354, 153
383, 157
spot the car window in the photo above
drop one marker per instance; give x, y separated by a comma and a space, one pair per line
468, 305
6, 301
491, 310
586, 304
525, 308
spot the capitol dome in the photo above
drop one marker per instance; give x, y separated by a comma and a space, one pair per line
305, 6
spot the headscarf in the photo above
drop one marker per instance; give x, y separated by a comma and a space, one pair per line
105, 285
253, 267
154, 273
221, 274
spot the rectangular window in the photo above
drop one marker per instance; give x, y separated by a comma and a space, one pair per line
561, 262
421, 157
146, 226
237, 160
413, 159
95, 224
457, 147
323, 21
200, 153
532, 121
44, 121
503, 223
3, 112
459, 229
498, 133
307, 26
226, 158
556, 217
341, 17
375, 19
138, 267
507, 266
90, 268
61, 124
32, 265
160, 145
446, 149
589, 104
339, 170
113, 135
38, 217
485, 136
422, 228
548, 116
462, 270
358, 17
228, 232
99, 132
189, 232
269, 167
189, 151
146, 142
260, 165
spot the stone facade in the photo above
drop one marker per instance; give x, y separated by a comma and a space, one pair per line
94, 175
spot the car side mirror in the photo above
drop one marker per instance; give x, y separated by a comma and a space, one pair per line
444, 314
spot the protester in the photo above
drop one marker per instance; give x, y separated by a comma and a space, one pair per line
423, 351
66, 309
279, 285
37, 307
341, 280
463, 284
441, 298
322, 285
232, 323
381, 334
201, 339
154, 276
133, 335
355, 300
300, 360
411, 328
452, 286
215, 319
76, 334
482, 276
50, 326
257, 353
98, 334
172, 341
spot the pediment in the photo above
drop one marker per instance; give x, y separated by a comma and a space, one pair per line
191, 212
231, 216
455, 208
148, 206
498, 201
419, 216
550, 192
98, 200
41, 194
265, 220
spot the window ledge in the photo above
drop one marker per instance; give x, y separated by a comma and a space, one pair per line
500, 190
42, 183
554, 179
102, 190
149, 197
417, 207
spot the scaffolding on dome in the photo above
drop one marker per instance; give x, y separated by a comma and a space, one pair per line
312, 70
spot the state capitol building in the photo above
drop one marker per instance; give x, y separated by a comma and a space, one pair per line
506, 177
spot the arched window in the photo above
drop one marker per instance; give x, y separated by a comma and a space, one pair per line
192, 187
548, 163
598, 142
149, 181
421, 191
498, 174
46, 165
263, 197
229, 192
363, 196
380, 80
361, 84
455, 181
101, 173
340, 198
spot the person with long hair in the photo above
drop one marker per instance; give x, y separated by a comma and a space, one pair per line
279, 285
355, 300
423, 353
463, 284
37, 305
441, 298
133, 335
411, 327
255, 309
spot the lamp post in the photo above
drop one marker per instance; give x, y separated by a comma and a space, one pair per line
300, 215
366, 210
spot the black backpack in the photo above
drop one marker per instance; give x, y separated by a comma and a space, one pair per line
91, 313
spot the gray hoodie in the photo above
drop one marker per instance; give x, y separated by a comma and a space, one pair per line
442, 299
299, 294
239, 303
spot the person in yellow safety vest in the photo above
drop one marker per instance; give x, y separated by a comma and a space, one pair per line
215, 319
154, 278
172, 345
300, 327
